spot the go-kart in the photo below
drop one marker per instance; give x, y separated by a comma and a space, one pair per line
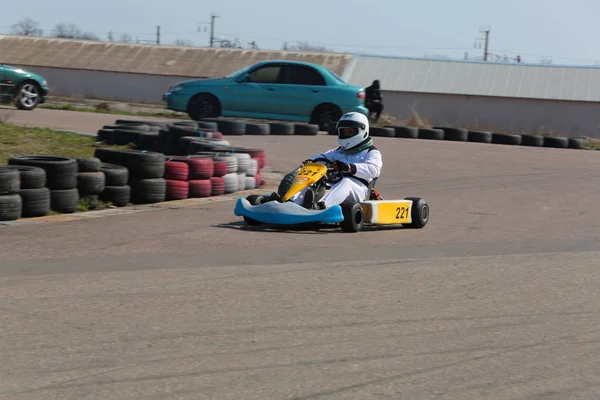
277, 208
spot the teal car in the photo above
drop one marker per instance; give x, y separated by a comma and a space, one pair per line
272, 90
23, 88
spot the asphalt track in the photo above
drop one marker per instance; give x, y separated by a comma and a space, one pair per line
496, 298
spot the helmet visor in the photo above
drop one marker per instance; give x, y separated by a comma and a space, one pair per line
347, 133
347, 129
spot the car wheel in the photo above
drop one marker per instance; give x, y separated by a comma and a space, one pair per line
326, 115
203, 106
27, 95
254, 199
354, 217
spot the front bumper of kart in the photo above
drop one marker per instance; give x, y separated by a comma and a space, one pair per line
287, 213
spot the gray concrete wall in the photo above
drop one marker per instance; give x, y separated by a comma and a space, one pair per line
498, 114
113, 86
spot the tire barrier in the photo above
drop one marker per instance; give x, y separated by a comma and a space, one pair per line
181, 137
212, 173
189, 137
197, 163
465, 135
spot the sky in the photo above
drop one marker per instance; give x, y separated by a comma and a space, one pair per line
563, 31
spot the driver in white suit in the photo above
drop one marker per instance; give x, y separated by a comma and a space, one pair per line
356, 158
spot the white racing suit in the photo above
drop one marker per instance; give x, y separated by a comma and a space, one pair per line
366, 165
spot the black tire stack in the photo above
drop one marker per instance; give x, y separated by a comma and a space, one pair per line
10, 201
90, 181
146, 172
116, 190
61, 180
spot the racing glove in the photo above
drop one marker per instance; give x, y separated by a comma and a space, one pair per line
345, 168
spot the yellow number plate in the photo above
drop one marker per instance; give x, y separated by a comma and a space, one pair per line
388, 212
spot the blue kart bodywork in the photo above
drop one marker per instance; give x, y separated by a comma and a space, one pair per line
287, 213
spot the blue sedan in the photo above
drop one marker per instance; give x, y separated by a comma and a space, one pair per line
275, 90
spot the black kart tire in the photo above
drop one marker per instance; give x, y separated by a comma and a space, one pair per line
36, 202
254, 199
253, 128
10, 181
354, 217
11, 207
61, 172
506, 138
406, 132
306, 129
378, 131
141, 164
419, 213
556, 142
281, 128
532, 140
148, 191
91, 183
431, 134
119, 196
64, 201
480, 137
89, 164
31, 177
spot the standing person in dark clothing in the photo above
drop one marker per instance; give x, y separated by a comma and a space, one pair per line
373, 99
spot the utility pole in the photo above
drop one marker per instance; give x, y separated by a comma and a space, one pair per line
213, 16
158, 34
487, 40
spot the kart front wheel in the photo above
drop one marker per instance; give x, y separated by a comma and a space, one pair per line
419, 213
354, 217
254, 199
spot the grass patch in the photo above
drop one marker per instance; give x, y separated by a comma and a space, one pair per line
84, 205
20, 141
104, 108
592, 145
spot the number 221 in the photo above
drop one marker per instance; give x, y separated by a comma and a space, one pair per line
401, 212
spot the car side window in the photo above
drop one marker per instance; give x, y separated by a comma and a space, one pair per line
268, 74
300, 75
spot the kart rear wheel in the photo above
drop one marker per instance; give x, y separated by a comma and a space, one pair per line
419, 213
254, 199
354, 217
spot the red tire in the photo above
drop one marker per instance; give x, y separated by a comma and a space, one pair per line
200, 188
217, 135
218, 186
262, 161
258, 178
201, 167
177, 190
220, 168
176, 170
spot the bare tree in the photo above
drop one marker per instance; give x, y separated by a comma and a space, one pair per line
181, 42
126, 38
66, 31
27, 27
72, 31
305, 46
111, 37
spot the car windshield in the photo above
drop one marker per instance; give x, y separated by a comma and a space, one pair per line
238, 72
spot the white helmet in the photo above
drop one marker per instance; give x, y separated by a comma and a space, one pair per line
352, 129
